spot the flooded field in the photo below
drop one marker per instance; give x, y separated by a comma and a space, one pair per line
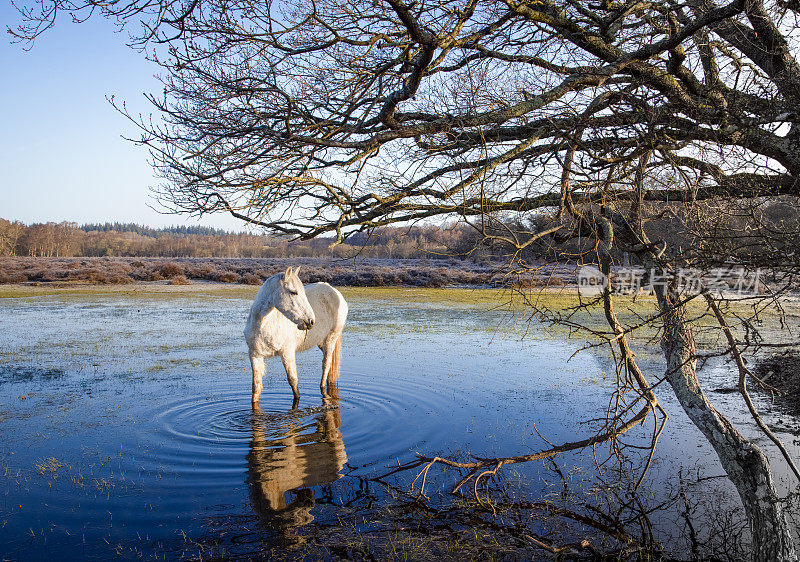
126, 427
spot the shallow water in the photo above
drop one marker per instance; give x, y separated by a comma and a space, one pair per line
127, 429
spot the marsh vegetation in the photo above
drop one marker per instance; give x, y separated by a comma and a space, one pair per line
178, 271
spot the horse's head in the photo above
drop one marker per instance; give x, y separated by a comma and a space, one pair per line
291, 300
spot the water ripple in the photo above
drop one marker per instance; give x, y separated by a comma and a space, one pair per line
207, 436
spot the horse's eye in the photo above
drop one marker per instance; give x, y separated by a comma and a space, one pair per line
293, 292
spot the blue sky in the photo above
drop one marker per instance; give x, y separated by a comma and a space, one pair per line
61, 152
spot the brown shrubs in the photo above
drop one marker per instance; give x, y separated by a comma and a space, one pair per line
97, 276
251, 279
252, 271
203, 270
227, 277
171, 269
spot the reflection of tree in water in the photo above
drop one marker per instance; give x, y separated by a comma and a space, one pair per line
304, 455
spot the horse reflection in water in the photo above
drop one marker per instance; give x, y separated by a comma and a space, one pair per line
291, 464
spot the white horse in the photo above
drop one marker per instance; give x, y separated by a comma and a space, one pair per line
286, 318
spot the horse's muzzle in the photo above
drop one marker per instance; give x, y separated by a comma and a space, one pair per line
306, 324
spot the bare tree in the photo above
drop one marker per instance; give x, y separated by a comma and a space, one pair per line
339, 116
10, 234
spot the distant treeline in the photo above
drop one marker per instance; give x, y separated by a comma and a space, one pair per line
760, 233
68, 239
128, 240
150, 231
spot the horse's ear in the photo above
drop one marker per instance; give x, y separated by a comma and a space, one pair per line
288, 272
297, 271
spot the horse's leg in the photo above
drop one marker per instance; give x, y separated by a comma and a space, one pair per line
330, 376
336, 361
326, 365
257, 363
291, 372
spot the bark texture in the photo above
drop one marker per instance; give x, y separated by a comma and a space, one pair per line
744, 463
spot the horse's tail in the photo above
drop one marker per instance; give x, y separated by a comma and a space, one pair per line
336, 362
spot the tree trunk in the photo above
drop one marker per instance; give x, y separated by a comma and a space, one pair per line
744, 463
